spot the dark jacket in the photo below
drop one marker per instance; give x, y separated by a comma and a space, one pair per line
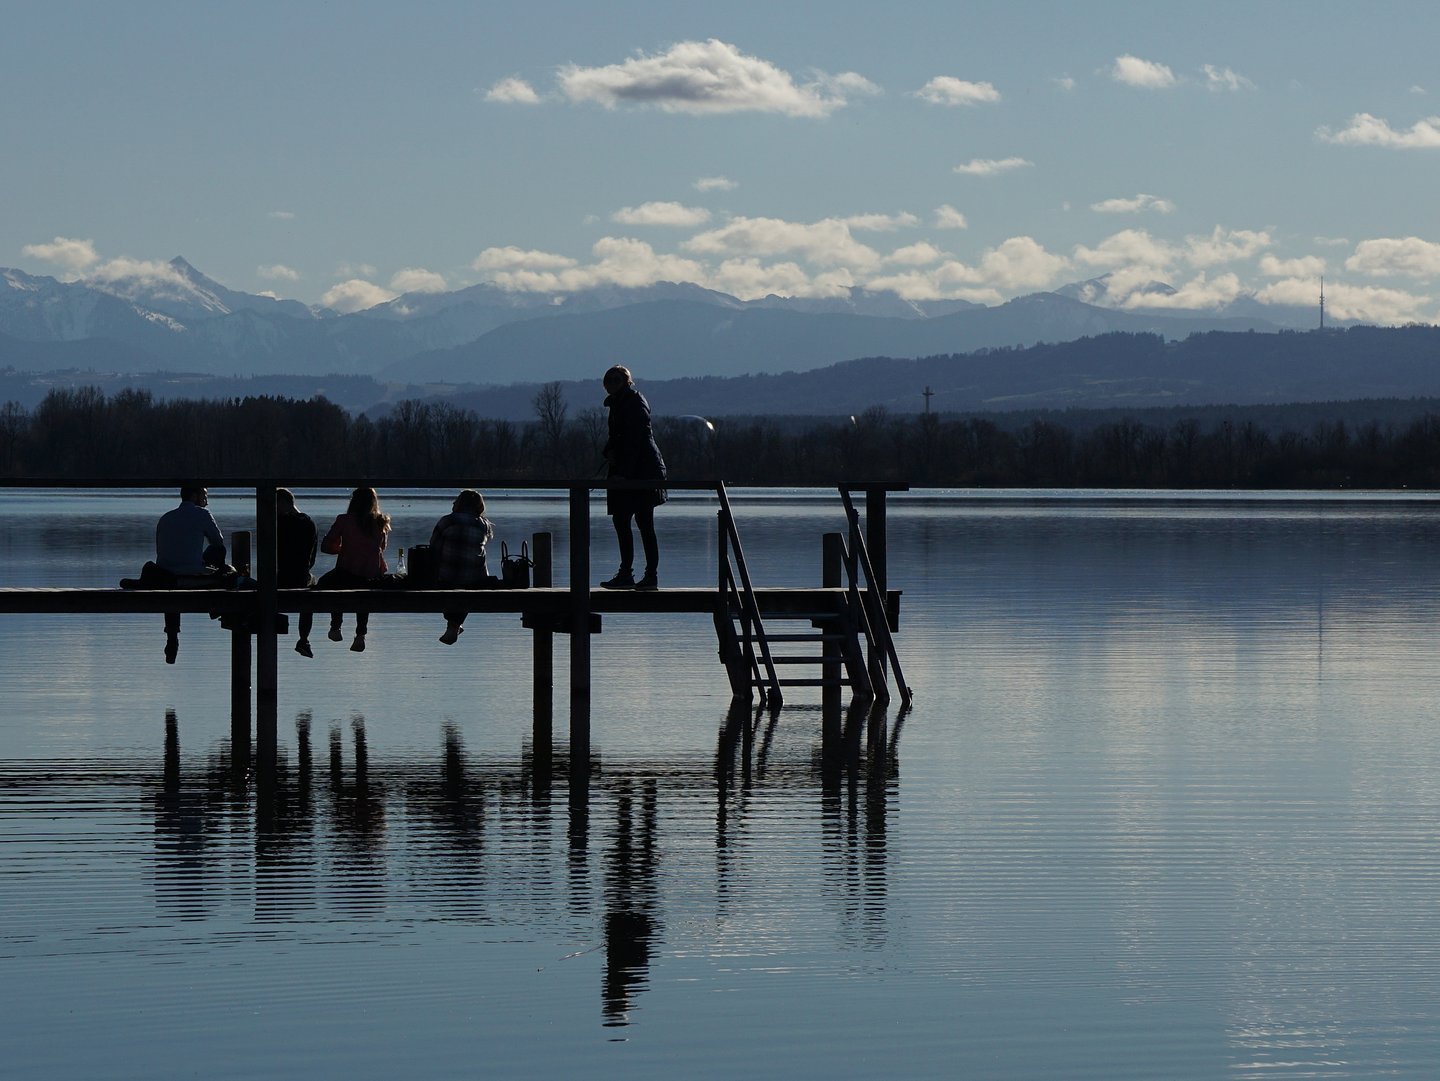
295, 544
631, 452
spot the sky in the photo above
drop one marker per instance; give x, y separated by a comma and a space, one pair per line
346, 153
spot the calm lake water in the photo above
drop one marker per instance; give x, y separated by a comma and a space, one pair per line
1167, 806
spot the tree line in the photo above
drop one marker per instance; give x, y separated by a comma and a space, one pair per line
82, 432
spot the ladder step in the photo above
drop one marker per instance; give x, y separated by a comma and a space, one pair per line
816, 637
806, 660
803, 682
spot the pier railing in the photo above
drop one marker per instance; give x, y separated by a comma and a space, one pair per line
737, 591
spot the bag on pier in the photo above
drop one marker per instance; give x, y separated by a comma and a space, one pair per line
420, 561
515, 570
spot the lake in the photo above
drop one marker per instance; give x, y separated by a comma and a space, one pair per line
1167, 806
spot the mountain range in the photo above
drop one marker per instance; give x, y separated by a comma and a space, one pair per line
182, 320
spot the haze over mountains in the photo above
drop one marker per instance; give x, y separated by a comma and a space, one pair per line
185, 321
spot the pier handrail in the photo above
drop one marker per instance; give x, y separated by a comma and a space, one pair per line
744, 595
877, 630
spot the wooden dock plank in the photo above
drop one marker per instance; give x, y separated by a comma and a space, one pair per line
19, 600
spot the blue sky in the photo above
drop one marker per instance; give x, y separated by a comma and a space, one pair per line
344, 153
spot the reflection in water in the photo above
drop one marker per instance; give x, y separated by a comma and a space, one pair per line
447, 838
631, 902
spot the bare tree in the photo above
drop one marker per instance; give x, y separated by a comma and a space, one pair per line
551, 413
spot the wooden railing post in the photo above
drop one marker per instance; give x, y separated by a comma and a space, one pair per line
831, 577
580, 630
267, 662
542, 549
240, 658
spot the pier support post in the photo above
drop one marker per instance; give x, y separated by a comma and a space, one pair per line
579, 631
542, 549
832, 653
267, 677
240, 660
875, 540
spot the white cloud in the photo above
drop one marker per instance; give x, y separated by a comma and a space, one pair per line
138, 274
825, 243
1417, 89
513, 91
881, 223
1065, 83
1128, 248
950, 281
355, 295
1352, 302
1199, 293
948, 90
749, 279
618, 261
73, 255
673, 214
1132, 71
1367, 130
1306, 266
1221, 80
918, 254
703, 77
1408, 257
947, 217
417, 280
355, 270
282, 215
278, 272
991, 166
1020, 263
1134, 205
715, 183
1331, 241
1225, 246
512, 258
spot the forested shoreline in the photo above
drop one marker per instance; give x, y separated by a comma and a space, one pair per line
82, 432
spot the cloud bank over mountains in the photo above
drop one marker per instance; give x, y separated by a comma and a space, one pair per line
750, 258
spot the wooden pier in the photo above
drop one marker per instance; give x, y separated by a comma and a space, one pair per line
846, 639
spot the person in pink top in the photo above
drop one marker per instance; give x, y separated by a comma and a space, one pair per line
357, 541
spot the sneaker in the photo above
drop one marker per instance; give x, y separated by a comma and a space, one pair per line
302, 647
649, 584
172, 650
623, 579
335, 635
452, 635
358, 646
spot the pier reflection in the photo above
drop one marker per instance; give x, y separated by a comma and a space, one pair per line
593, 856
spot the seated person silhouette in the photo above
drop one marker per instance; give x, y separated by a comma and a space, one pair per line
295, 547
458, 545
189, 548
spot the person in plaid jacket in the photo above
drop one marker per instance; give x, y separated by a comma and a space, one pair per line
458, 545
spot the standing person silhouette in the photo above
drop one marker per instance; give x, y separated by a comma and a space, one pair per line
632, 454
357, 540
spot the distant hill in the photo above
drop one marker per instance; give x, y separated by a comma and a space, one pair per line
1116, 370
1110, 371
675, 339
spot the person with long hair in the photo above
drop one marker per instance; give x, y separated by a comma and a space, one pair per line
632, 454
357, 540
